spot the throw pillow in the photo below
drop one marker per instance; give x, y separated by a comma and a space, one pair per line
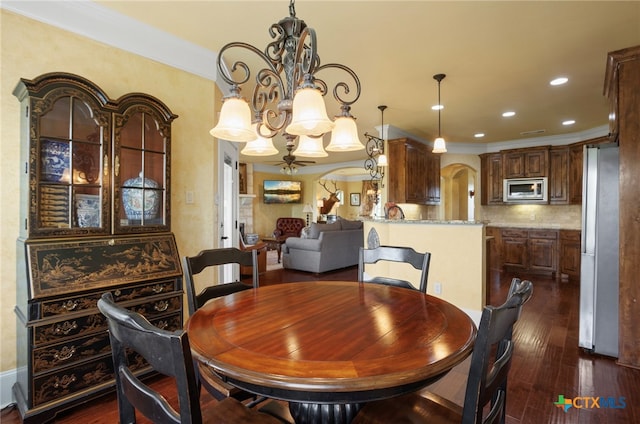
316, 229
304, 233
350, 225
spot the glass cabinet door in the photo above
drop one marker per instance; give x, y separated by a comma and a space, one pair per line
140, 171
70, 194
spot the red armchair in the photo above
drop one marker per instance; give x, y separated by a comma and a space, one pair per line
288, 227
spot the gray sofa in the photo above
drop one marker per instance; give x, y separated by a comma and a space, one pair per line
324, 247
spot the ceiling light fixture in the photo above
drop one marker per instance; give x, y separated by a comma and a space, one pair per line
376, 160
288, 95
508, 114
559, 81
439, 145
568, 122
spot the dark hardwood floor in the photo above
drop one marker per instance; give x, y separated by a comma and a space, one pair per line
547, 363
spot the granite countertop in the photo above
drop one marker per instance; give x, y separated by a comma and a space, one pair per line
422, 221
535, 225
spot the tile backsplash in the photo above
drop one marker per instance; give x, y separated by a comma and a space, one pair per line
562, 216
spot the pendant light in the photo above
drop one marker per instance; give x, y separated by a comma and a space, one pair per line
439, 145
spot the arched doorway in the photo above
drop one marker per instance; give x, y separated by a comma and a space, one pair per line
355, 197
458, 182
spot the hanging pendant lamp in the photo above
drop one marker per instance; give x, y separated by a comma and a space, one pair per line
439, 145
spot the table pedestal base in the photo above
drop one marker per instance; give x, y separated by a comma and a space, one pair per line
311, 413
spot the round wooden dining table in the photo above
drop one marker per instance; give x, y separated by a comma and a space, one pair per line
328, 347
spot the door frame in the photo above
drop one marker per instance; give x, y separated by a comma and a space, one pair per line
227, 205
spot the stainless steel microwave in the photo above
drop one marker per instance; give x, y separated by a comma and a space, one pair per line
525, 190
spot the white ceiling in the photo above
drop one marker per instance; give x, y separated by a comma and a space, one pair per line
498, 56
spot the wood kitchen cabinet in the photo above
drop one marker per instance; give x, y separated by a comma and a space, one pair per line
530, 250
622, 88
559, 172
569, 253
413, 173
524, 163
491, 179
95, 209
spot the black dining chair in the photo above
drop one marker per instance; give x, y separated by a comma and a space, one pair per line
193, 265
168, 353
408, 255
486, 383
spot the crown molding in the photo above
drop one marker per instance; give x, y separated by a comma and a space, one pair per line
101, 24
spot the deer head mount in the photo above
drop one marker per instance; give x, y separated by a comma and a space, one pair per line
327, 204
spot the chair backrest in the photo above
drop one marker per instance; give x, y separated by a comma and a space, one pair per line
491, 357
166, 352
214, 257
289, 227
408, 255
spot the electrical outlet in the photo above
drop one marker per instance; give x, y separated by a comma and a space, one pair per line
189, 197
437, 288
532, 217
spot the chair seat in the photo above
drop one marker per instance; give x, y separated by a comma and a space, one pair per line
410, 409
230, 410
391, 282
219, 388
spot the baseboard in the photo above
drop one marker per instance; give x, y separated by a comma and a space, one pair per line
7, 380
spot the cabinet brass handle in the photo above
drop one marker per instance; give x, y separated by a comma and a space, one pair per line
65, 353
161, 306
116, 169
65, 381
70, 305
162, 325
158, 288
65, 328
105, 167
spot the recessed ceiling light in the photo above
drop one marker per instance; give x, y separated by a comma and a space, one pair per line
508, 114
437, 107
559, 81
478, 135
568, 122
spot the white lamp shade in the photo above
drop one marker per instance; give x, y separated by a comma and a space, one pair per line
307, 208
235, 121
261, 146
309, 114
310, 147
344, 137
382, 160
439, 146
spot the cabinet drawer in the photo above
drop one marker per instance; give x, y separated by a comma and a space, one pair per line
514, 233
570, 236
543, 234
70, 352
80, 326
90, 301
78, 374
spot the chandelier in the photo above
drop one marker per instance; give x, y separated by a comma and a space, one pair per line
287, 97
376, 159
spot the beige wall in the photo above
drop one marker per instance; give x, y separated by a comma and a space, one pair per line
457, 259
29, 49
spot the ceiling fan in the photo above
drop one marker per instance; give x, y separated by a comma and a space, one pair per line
290, 160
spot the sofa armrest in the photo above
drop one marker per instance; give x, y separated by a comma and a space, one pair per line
303, 243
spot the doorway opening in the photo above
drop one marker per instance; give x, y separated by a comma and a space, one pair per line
458, 183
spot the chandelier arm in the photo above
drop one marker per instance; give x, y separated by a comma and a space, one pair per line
342, 85
307, 53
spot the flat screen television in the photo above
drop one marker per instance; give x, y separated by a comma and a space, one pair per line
277, 191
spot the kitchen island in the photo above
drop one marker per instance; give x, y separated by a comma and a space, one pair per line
457, 272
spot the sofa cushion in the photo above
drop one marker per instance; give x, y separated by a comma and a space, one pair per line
346, 224
304, 233
316, 229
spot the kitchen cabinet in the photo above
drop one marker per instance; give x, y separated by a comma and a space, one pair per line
569, 253
530, 250
413, 174
559, 168
95, 210
622, 88
524, 163
491, 178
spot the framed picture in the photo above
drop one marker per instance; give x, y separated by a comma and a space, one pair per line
354, 199
282, 191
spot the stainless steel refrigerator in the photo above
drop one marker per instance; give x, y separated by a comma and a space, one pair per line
599, 274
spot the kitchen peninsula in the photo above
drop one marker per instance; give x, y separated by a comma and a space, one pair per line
458, 257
